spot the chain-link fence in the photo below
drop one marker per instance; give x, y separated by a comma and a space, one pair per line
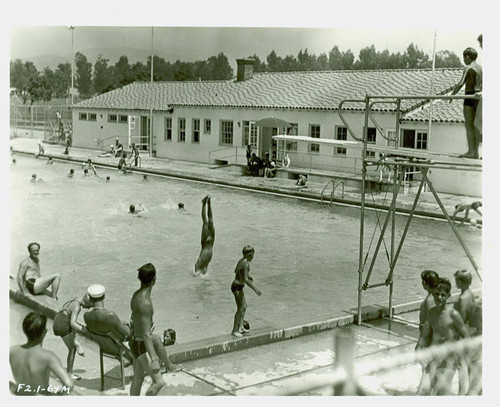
54, 121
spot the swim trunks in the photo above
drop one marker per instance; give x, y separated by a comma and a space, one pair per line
137, 348
236, 286
30, 285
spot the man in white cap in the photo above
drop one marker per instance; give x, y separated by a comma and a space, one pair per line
102, 321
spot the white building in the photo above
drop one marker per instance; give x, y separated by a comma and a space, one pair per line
213, 121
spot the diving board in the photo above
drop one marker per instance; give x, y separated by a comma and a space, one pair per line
387, 150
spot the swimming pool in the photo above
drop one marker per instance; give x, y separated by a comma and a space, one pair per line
306, 253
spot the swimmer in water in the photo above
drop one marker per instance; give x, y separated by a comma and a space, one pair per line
86, 172
207, 238
14, 161
33, 178
50, 161
181, 207
71, 173
108, 178
145, 177
89, 166
132, 210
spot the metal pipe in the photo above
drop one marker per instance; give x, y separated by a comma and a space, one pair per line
345, 121
375, 122
393, 236
407, 226
382, 232
362, 215
151, 98
398, 118
454, 228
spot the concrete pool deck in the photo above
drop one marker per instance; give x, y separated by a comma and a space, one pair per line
231, 176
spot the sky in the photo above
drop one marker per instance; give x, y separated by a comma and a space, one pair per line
196, 30
199, 43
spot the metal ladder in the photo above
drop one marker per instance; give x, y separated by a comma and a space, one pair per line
334, 187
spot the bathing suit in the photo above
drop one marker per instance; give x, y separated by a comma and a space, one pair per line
237, 286
30, 285
137, 346
473, 83
62, 321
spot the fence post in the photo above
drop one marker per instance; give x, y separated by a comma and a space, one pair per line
344, 360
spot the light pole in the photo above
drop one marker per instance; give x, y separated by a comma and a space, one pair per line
71, 91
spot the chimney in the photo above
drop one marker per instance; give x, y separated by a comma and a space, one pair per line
245, 69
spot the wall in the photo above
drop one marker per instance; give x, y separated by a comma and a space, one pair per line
446, 138
87, 134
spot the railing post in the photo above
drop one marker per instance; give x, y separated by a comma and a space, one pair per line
344, 360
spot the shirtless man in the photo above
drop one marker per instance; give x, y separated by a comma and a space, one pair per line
445, 324
32, 365
467, 208
207, 238
429, 281
29, 277
463, 305
141, 342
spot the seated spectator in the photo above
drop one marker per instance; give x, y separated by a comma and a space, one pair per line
302, 180
248, 153
102, 321
110, 153
269, 167
254, 165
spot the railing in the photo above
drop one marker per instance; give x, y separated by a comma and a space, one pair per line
401, 374
230, 154
334, 187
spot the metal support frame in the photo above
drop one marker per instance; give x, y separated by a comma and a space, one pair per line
398, 178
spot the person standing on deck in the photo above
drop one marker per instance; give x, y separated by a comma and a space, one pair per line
472, 78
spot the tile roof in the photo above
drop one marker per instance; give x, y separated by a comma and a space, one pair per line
280, 90
442, 111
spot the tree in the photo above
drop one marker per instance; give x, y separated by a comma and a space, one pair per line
274, 62
367, 58
122, 72
83, 75
258, 65
447, 59
102, 75
20, 75
289, 64
415, 58
219, 67
39, 89
62, 80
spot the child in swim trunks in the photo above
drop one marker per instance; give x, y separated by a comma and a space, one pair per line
241, 278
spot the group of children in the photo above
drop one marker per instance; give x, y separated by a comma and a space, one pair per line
440, 323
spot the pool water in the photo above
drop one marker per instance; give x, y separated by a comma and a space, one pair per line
306, 253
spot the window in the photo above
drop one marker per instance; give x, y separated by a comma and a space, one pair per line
292, 131
314, 131
82, 116
196, 131
208, 126
168, 129
340, 134
391, 135
226, 132
112, 118
123, 118
181, 136
92, 117
372, 139
414, 139
250, 133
